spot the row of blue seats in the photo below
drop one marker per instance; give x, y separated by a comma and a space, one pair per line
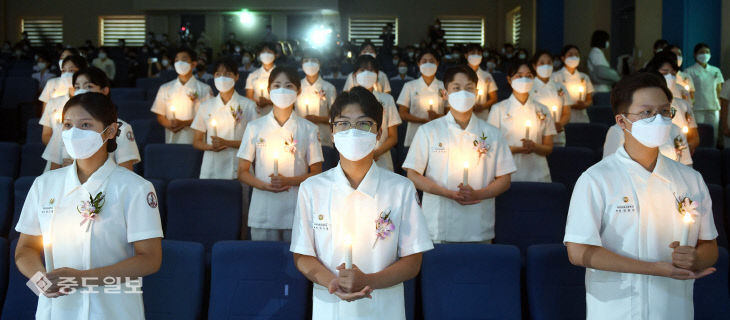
259, 280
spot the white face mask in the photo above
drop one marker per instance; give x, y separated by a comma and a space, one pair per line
67, 78
544, 71
283, 97
246, 60
474, 59
223, 84
369, 54
355, 144
651, 132
607, 43
402, 70
102, 55
182, 67
82, 144
491, 65
266, 57
310, 68
522, 56
60, 64
80, 91
366, 79
679, 61
522, 85
671, 80
41, 65
572, 62
428, 69
703, 57
462, 101
165, 63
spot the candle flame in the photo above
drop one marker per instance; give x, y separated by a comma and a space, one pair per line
348, 240
686, 87
688, 218
46, 242
430, 101
581, 89
685, 129
555, 108
276, 155
466, 164
172, 108
262, 86
480, 92
213, 122
58, 116
528, 123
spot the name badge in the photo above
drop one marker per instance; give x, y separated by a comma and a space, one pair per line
439, 148
261, 143
320, 222
48, 210
626, 206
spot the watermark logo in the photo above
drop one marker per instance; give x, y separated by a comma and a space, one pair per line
40, 285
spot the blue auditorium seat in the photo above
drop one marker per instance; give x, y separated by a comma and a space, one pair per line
135, 110
10, 159
707, 135
711, 298
338, 83
6, 205
31, 163
726, 166
396, 86
18, 90
708, 162
147, 131
471, 281
127, 94
256, 280
150, 86
34, 131
401, 159
20, 301
331, 158
602, 99
602, 115
182, 276
168, 75
504, 90
172, 161
568, 163
589, 135
717, 195
213, 206
539, 220
20, 192
555, 288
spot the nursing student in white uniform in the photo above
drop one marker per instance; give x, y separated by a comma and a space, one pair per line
625, 225
602, 75
487, 87
316, 98
257, 82
526, 124
550, 94
126, 154
422, 100
178, 101
99, 223
373, 207
459, 204
383, 84
708, 82
284, 150
59, 86
51, 117
683, 79
664, 63
579, 95
366, 76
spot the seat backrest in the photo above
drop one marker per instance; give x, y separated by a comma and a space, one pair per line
711, 298
20, 192
331, 158
707, 135
555, 288
31, 162
213, 206
172, 161
127, 94
726, 166
471, 281
10, 159
708, 162
181, 275
6, 204
568, 163
717, 195
256, 279
20, 301
131, 110
602, 115
602, 99
147, 131
34, 131
540, 220
589, 135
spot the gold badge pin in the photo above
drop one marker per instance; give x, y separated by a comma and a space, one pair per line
441, 145
51, 201
321, 217
626, 199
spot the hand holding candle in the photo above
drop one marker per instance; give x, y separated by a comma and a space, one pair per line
263, 88
555, 113
430, 104
276, 163
465, 181
48, 252
581, 90
348, 251
480, 93
172, 110
687, 220
527, 129
214, 132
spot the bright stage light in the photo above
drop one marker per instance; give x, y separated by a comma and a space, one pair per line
246, 17
318, 36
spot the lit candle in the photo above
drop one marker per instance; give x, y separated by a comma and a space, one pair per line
686, 87
430, 104
262, 87
466, 173
685, 228
479, 95
685, 130
213, 123
172, 110
349, 54
580, 92
58, 116
48, 252
527, 129
348, 251
276, 164
306, 105
555, 113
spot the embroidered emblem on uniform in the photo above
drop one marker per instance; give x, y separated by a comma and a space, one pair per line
321, 217
130, 136
152, 200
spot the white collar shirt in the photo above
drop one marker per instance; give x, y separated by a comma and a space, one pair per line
186, 99
419, 98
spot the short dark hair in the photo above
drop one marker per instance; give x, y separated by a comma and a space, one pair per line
366, 61
599, 38
228, 64
513, 68
474, 46
79, 61
74, 51
567, 48
701, 46
290, 73
672, 47
95, 76
622, 94
427, 51
100, 107
311, 54
367, 43
451, 72
540, 53
659, 59
362, 97
191, 53
266, 45
660, 44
